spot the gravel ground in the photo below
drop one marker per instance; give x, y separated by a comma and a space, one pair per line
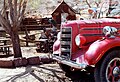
39, 73
36, 73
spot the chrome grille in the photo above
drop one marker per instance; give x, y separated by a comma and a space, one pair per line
66, 43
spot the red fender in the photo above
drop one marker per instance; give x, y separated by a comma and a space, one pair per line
56, 47
98, 49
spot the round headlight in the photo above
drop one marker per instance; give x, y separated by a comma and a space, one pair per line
80, 40
77, 40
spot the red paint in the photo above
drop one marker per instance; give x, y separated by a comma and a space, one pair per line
92, 48
98, 49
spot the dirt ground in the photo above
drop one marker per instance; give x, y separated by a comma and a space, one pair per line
38, 73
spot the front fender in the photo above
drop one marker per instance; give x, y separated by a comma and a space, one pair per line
98, 49
56, 47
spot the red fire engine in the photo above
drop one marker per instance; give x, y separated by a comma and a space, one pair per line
90, 46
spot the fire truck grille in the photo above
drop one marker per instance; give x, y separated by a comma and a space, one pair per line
66, 43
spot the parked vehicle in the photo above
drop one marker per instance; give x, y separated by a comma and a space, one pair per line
90, 46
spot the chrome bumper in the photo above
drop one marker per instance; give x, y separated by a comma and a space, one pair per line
69, 62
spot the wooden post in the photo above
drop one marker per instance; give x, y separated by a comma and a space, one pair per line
27, 37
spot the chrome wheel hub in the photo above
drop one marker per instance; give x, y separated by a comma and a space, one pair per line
113, 70
116, 71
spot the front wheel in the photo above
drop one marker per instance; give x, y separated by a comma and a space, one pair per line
109, 68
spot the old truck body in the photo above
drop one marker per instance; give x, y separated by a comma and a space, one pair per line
94, 43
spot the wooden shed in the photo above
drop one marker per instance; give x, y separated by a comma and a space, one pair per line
63, 12
2, 32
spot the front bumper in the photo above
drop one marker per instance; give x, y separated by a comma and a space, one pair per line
70, 63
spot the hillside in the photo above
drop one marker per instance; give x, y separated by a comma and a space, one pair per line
46, 7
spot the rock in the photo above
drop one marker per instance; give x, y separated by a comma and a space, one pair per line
34, 60
6, 63
20, 62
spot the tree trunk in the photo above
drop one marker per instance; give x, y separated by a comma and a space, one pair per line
88, 4
16, 44
27, 37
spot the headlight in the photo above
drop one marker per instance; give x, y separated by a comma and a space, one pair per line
79, 40
58, 35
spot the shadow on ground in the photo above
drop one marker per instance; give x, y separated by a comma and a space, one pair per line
39, 73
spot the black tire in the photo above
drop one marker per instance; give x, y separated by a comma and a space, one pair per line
78, 75
97, 72
65, 68
109, 68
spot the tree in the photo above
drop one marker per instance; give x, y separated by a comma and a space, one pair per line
11, 22
88, 3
